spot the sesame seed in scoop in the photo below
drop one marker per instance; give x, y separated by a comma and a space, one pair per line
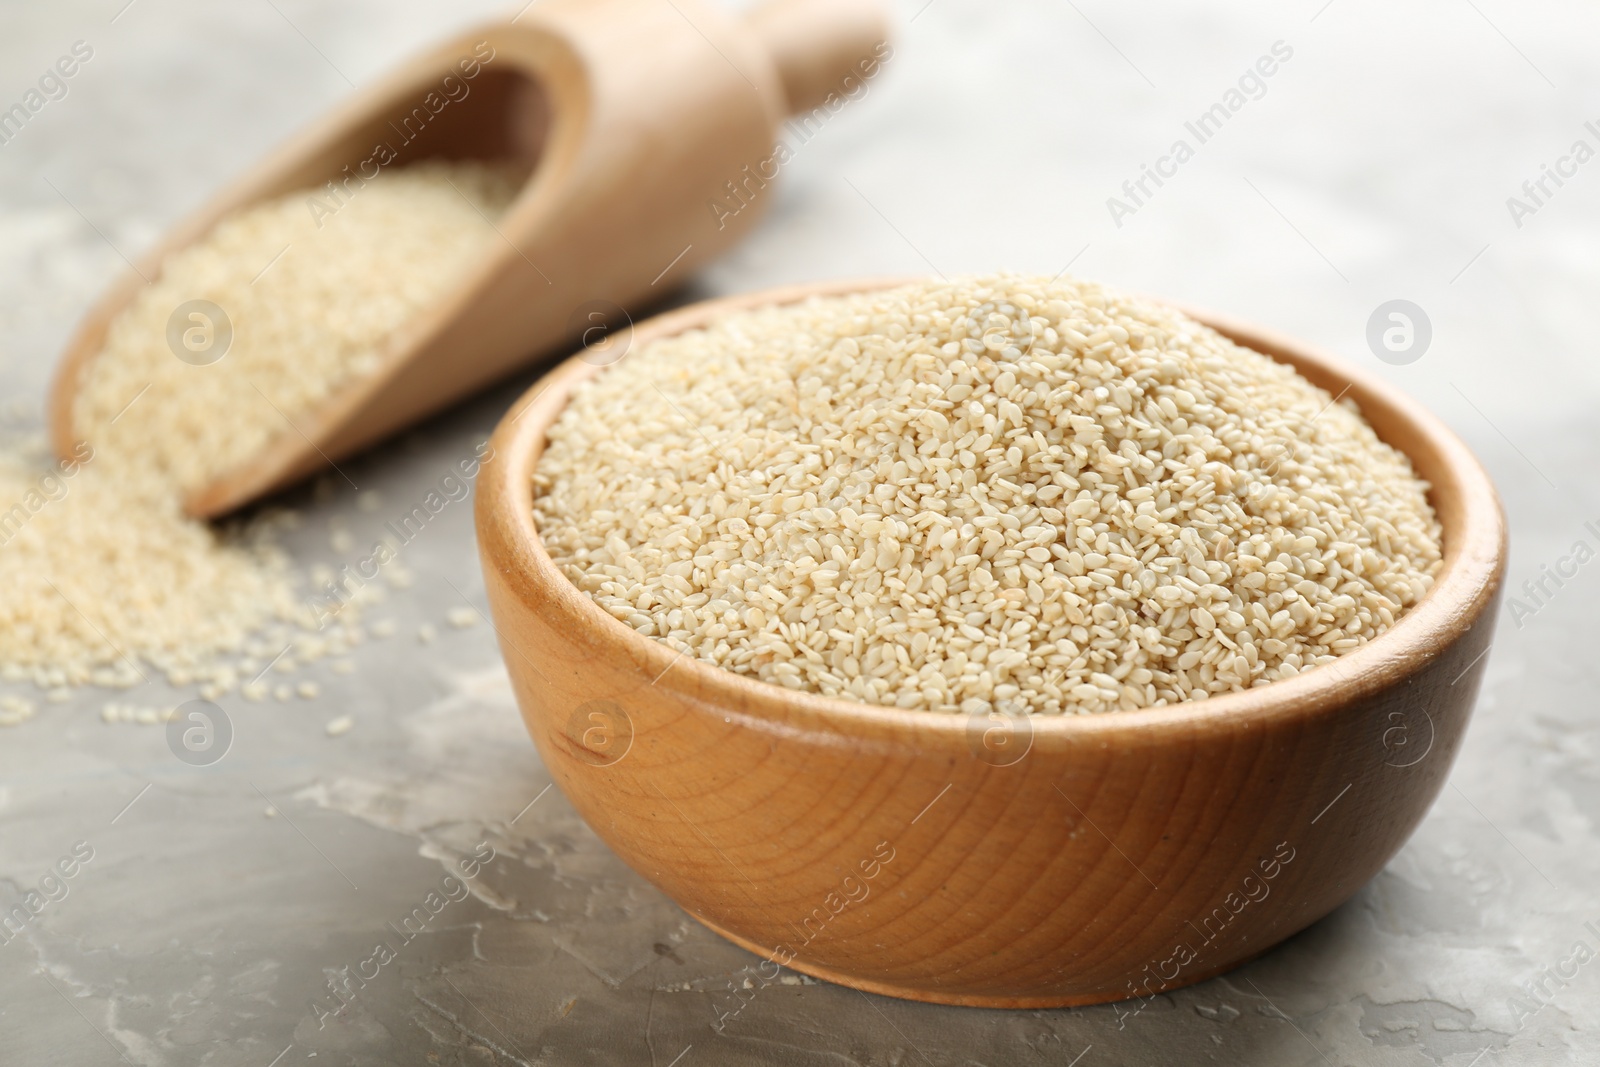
105, 580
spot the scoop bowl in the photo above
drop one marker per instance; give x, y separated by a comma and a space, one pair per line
629, 122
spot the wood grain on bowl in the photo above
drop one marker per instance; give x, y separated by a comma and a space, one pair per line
1016, 862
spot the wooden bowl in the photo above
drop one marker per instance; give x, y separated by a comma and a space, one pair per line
1029, 862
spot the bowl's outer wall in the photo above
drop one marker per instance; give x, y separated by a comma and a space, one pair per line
1081, 873
902, 853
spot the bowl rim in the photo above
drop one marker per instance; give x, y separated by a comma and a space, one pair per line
1472, 519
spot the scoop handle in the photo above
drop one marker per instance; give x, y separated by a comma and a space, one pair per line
817, 45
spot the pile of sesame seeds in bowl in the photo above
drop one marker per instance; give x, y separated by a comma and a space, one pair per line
985, 494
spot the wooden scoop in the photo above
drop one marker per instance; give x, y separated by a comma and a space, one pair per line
647, 129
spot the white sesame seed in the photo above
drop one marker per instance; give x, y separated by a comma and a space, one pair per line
104, 576
933, 498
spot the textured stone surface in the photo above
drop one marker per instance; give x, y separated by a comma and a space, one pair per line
1376, 166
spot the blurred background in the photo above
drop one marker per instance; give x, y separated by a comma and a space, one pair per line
1384, 159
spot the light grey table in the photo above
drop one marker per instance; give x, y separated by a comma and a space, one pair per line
1376, 164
